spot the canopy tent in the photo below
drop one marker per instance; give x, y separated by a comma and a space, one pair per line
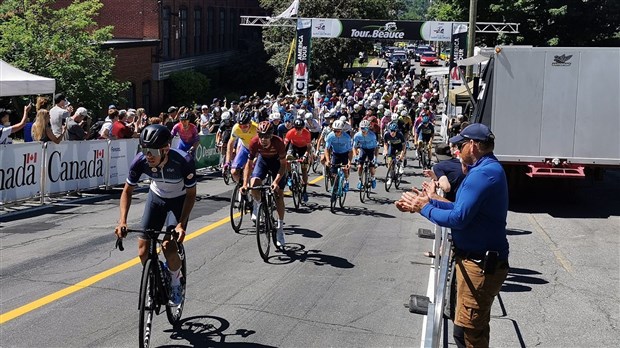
459, 96
17, 82
437, 71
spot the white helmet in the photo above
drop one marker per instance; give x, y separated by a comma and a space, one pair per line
427, 90
380, 106
387, 113
338, 105
365, 124
308, 116
373, 103
301, 112
274, 116
420, 105
344, 90
394, 117
357, 106
400, 107
338, 125
343, 118
403, 113
225, 115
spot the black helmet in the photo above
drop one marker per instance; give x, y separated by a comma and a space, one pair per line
245, 117
155, 136
299, 123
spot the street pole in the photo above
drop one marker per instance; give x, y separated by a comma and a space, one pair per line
471, 36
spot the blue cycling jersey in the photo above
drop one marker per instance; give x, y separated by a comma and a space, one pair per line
339, 144
369, 141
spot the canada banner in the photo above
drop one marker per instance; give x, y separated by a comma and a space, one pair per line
302, 57
74, 165
20, 171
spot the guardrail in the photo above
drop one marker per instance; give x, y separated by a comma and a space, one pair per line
36, 170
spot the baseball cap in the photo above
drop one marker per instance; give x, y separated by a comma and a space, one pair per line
172, 109
111, 106
82, 112
204, 107
234, 102
475, 131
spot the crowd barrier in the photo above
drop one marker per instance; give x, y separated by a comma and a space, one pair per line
36, 170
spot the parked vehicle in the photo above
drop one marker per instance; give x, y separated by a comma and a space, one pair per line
429, 58
421, 49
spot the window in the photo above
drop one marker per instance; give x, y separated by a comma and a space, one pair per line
183, 31
146, 95
234, 24
130, 95
210, 28
222, 31
198, 30
165, 33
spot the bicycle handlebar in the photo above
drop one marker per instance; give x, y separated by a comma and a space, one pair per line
119, 240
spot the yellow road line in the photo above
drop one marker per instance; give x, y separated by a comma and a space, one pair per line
559, 256
4, 317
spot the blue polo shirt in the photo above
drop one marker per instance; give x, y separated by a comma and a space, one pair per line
340, 144
478, 216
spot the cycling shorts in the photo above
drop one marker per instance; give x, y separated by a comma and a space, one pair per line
183, 146
315, 135
156, 212
269, 166
338, 158
299, 152
395, 149
241, 158
367, 155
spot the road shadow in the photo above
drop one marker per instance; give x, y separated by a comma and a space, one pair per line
304, 232
294, 252
208, 331
358, 211
519, 279
517, 232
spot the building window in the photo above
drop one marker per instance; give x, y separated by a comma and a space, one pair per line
165, 33
146, 96
198, 30
222, 31
234, 24
183, 32
210, 28
131, 95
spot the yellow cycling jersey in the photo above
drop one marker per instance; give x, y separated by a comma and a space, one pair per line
245, 137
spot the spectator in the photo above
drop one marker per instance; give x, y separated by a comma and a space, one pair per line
171, 118
205, 116
106, 129
478, 222
142, 118
5, 125
120, 129
42, 130
59, 114
75, 125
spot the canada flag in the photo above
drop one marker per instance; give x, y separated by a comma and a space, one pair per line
98, 153
31, 157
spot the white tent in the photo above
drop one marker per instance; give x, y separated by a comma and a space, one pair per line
17, 82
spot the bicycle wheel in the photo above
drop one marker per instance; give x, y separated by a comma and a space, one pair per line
174, 313
237, 208
388, 177
342, 194
326, 177
226, 176
334, 196
296, 189
397, 175
263, 231
146, 305
315, 165
364, 185
368, 185
274, 222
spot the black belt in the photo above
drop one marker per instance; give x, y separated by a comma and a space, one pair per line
468, 255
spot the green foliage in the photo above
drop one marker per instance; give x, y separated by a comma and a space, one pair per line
63, 44
542, 22
188, 87
327, 55
415, 10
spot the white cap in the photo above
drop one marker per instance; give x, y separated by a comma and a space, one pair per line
204, 107
81, 111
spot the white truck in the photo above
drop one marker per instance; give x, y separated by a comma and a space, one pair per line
555, 111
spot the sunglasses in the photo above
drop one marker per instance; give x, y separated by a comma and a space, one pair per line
364, 129
337, 130
264, 136
153, 152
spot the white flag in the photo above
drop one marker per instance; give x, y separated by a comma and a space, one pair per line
290, 12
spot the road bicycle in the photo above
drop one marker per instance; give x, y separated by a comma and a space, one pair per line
240, 204
266, 219
394, 174
296, 185
424, 160
366, 182
338, 193
221, 149
316, 160
155, 285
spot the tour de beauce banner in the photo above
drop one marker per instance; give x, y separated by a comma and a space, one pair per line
206, 154
366, 29
75, 165
302, 57
122, 153
20, 171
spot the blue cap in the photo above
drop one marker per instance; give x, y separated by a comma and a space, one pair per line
475, 131
111, 106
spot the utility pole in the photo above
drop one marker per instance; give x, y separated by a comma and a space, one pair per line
471, 36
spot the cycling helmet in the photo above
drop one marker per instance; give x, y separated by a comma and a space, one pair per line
288, 117
274, 116
338, 125
184, 116
299, 124
393, 127
265, 127
394, 116
403, 113
155, 136
225, 115
308, 116
387, 113
380, 106
365, 124
301, 113
343, 119
245, 117
357, 106
425, 119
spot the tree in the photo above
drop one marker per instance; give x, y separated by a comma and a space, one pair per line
189, 87
327, 55
64, 44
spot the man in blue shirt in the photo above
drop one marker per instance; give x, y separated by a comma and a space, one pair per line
338, 150
365, 148
478, 222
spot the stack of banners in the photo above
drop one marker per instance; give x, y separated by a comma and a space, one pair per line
302, 57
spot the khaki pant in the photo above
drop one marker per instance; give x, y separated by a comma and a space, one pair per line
474, 297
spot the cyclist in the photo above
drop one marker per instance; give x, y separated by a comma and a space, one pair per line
339, 143
283, 128
327, 128
173, 189
270, 154
244, 130
223, 133
275, 119
188, 132
393, 145
426, 132
364, 147
299, 143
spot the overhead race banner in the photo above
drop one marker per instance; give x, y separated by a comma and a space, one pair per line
436, 31
20, 171
302, 57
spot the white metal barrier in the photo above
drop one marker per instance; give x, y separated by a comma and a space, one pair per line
32, 170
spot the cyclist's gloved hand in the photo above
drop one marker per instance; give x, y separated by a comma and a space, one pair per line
121, 230
226, 166
181, 233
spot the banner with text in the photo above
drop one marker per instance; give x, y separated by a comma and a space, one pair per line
75, 165
122, 153
20, 171
302, 57
206, 154
459, 51
366, 29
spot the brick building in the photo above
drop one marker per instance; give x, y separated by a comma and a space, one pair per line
155, 38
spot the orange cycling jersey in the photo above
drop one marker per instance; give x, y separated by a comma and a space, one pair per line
299, 139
